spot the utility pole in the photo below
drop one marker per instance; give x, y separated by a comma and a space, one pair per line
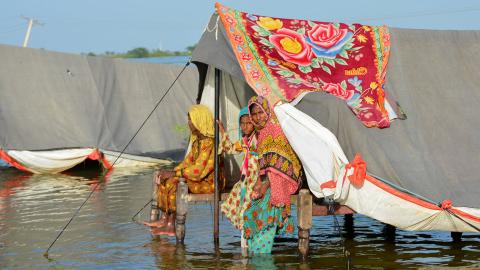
31, 23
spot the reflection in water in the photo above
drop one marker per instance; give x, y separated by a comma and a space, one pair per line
33, 208
169, 255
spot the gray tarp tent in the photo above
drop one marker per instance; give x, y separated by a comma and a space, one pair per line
51, 100
433, 75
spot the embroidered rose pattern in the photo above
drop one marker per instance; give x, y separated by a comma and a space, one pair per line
283, 58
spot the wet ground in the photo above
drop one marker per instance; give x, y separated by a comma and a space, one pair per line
34, 208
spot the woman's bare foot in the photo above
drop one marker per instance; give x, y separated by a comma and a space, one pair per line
169, 229
158, 223
157, 231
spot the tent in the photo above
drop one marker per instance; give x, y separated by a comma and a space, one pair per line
58, 109
416, 167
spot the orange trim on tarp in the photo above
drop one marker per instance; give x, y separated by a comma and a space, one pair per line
97, 155
464, 214
400, 194
329, 184
7, 158
446, 205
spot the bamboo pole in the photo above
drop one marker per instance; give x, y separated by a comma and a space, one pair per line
216, 164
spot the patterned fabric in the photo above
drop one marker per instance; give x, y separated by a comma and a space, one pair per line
283, 58
198, 171
198, 166
262, 221
276, 156
238, 199
167, 195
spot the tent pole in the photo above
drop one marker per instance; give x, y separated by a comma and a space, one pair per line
217, 141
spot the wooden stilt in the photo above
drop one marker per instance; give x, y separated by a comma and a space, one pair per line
348, 225
389, 232
154, 211
182, 208
304, 217
456, 236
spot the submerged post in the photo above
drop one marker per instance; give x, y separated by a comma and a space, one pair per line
182, 206
154, 212
216, 163
390, 232
456, 236
348, 226
304, 216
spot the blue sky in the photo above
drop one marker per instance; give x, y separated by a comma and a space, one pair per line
120, 25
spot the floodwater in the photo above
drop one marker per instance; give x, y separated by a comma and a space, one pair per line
34, 208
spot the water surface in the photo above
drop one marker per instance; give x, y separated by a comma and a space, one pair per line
33, 209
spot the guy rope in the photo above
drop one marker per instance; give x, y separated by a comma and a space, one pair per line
133, 137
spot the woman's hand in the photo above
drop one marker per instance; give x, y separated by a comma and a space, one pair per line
168, 174
220, 127
260, 189
163, 175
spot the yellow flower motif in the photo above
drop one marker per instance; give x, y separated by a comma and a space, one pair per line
269, 23
285, 166
373, 85
366, 28
368, 99
291, 45
361, 38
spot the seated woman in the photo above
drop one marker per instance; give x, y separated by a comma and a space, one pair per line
280, 177
197, 168
239, 197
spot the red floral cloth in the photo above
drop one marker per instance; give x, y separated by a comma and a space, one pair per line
282, 58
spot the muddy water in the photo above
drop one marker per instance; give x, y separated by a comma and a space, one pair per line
33, 208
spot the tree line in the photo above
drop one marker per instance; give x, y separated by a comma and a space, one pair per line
142, 52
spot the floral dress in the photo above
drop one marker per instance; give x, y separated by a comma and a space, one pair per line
197, 169
280, 165
238, 199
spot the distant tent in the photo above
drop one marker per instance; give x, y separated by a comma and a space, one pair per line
58, 109
422, 171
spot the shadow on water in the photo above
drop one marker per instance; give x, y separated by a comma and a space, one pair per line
33, 208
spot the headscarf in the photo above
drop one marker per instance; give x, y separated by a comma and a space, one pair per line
243, 111
263, 104
202, 119
276, 156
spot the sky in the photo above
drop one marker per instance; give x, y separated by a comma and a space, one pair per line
82, 26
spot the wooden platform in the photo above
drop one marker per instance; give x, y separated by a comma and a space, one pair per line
306, 208
317, 209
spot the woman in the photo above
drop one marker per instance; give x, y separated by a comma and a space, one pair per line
197, 168
239, 197
280, 177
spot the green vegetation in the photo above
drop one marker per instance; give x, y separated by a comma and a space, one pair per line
142, 52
